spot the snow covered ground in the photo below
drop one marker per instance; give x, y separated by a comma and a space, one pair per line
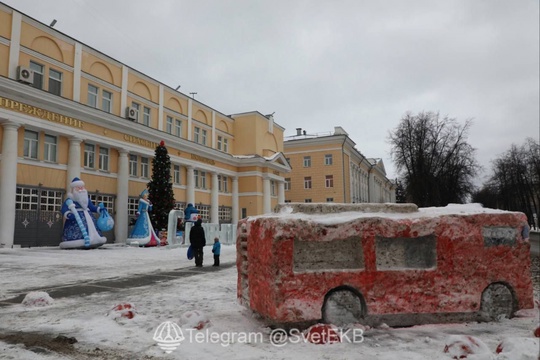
232, 332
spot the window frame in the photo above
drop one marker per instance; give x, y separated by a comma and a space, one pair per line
89, 156
106, 102
38, 70
104, 158
169, 124
31, 146
176, 174
307, 161
133, 165
92, 96
55, 81
50, 148
147, 115
329, 181
308, 182
328, 159
145, 167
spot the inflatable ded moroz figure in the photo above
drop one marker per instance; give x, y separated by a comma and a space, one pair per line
143, 232
80, 230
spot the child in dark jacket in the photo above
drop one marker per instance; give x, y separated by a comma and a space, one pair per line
216, 249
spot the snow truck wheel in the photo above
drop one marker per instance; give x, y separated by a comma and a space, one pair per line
343, 306
497, 302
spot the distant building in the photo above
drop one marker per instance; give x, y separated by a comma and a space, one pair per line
67, 110
328, 168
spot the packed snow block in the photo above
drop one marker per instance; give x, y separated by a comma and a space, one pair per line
37, 299
383, 263
461, 346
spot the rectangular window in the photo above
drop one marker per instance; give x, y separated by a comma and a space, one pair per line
89, 156
307, 182
144, 167
30, 144
133, 207
307, 200
307, 161
92, 96
103, 159
225, 145
106, 101
176, 174
50, 148
203, 179
178, 128
329, 199
197, 136
26, 198
223, 183
287, 184
133, 165
272, 188
146, 116
169, 125
406, 253
225, 214
55, 82
329, 181
196, 177
219, 142
38, 75
136, 107
328, 159
203, 137
204, 211
107, 200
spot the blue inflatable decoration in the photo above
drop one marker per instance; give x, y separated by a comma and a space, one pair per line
105, 221
71, 206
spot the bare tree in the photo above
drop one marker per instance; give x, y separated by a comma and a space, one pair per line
515, 183
433, 159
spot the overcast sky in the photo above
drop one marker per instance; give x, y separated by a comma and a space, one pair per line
318, 64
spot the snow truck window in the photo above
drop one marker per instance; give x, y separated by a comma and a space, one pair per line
328, 255
495, 236
406, 253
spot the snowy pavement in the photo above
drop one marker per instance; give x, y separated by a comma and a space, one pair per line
208, 295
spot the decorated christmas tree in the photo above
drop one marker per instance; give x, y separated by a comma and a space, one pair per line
160, 188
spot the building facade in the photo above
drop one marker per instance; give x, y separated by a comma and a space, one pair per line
68, 110
329, 168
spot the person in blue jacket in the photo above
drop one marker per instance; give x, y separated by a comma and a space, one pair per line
190, 209
216, 249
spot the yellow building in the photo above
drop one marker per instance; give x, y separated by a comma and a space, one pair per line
329, 168
67, 110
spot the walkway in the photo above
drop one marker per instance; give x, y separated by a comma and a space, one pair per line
92, 287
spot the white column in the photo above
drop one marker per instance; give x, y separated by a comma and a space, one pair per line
214, 129
281, 192
124, 91
15, 44
190, 191
77, 71
8, 184
214, 207
235, 208
266, 196
122, 184
160, 110
74, 161
189, 114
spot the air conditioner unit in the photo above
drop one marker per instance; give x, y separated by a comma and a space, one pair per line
131, 113
25, 75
